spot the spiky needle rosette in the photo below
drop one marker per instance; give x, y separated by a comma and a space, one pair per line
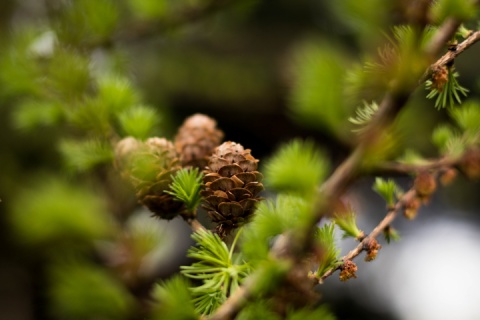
149, 166
232, 185
196, 139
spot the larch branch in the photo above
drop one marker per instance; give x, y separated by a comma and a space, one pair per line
386, 221
346, 173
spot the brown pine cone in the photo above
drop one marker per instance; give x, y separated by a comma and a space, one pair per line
232, 185
196, 139
149, 166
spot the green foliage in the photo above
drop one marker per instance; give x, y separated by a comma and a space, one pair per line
347, 222
60, 74
449, 95
288, 212
459, 9
220, 271
317, 92
297, 166
139, 122
387, 189
174, 300
326, 240
84, 155
68, 74
83, 291
146, 240
463, 32
31, 114
92, 116
364, 19
467, 117
452, 141
186, 187
412, 157
391, 234
16, 63
115, 104
55, 212
441, 137
408, 64
84, 22
116, 92
364, 115
455, 147
143, 162
149, 9
258, 310
267, 275
319, 313
263, 310
396, 67
164, 9
381, 147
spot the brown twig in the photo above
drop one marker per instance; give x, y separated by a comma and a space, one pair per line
239, 297
191, 219
445, 32
386, 221
390, 106
436, 166
196, 225
462, 46
407, 168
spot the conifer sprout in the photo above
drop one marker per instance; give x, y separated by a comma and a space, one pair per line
196, 139
232, 185
149, 166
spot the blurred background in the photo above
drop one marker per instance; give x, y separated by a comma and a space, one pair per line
76, 75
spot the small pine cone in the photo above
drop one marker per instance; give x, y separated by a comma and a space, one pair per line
196, 139
448, 176
411, 208
439, 78
470, 163
371, 246
149, 166
425, 184
348, 270
232, 185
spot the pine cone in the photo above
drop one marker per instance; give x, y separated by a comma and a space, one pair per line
232, 185
149, 166
196, 140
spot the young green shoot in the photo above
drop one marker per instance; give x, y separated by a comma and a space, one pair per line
329, 252
219, 270
363, 115
448, 94
186, 187
347, 221
174, 300
388, 189
391, 234
299, 166
467, 119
